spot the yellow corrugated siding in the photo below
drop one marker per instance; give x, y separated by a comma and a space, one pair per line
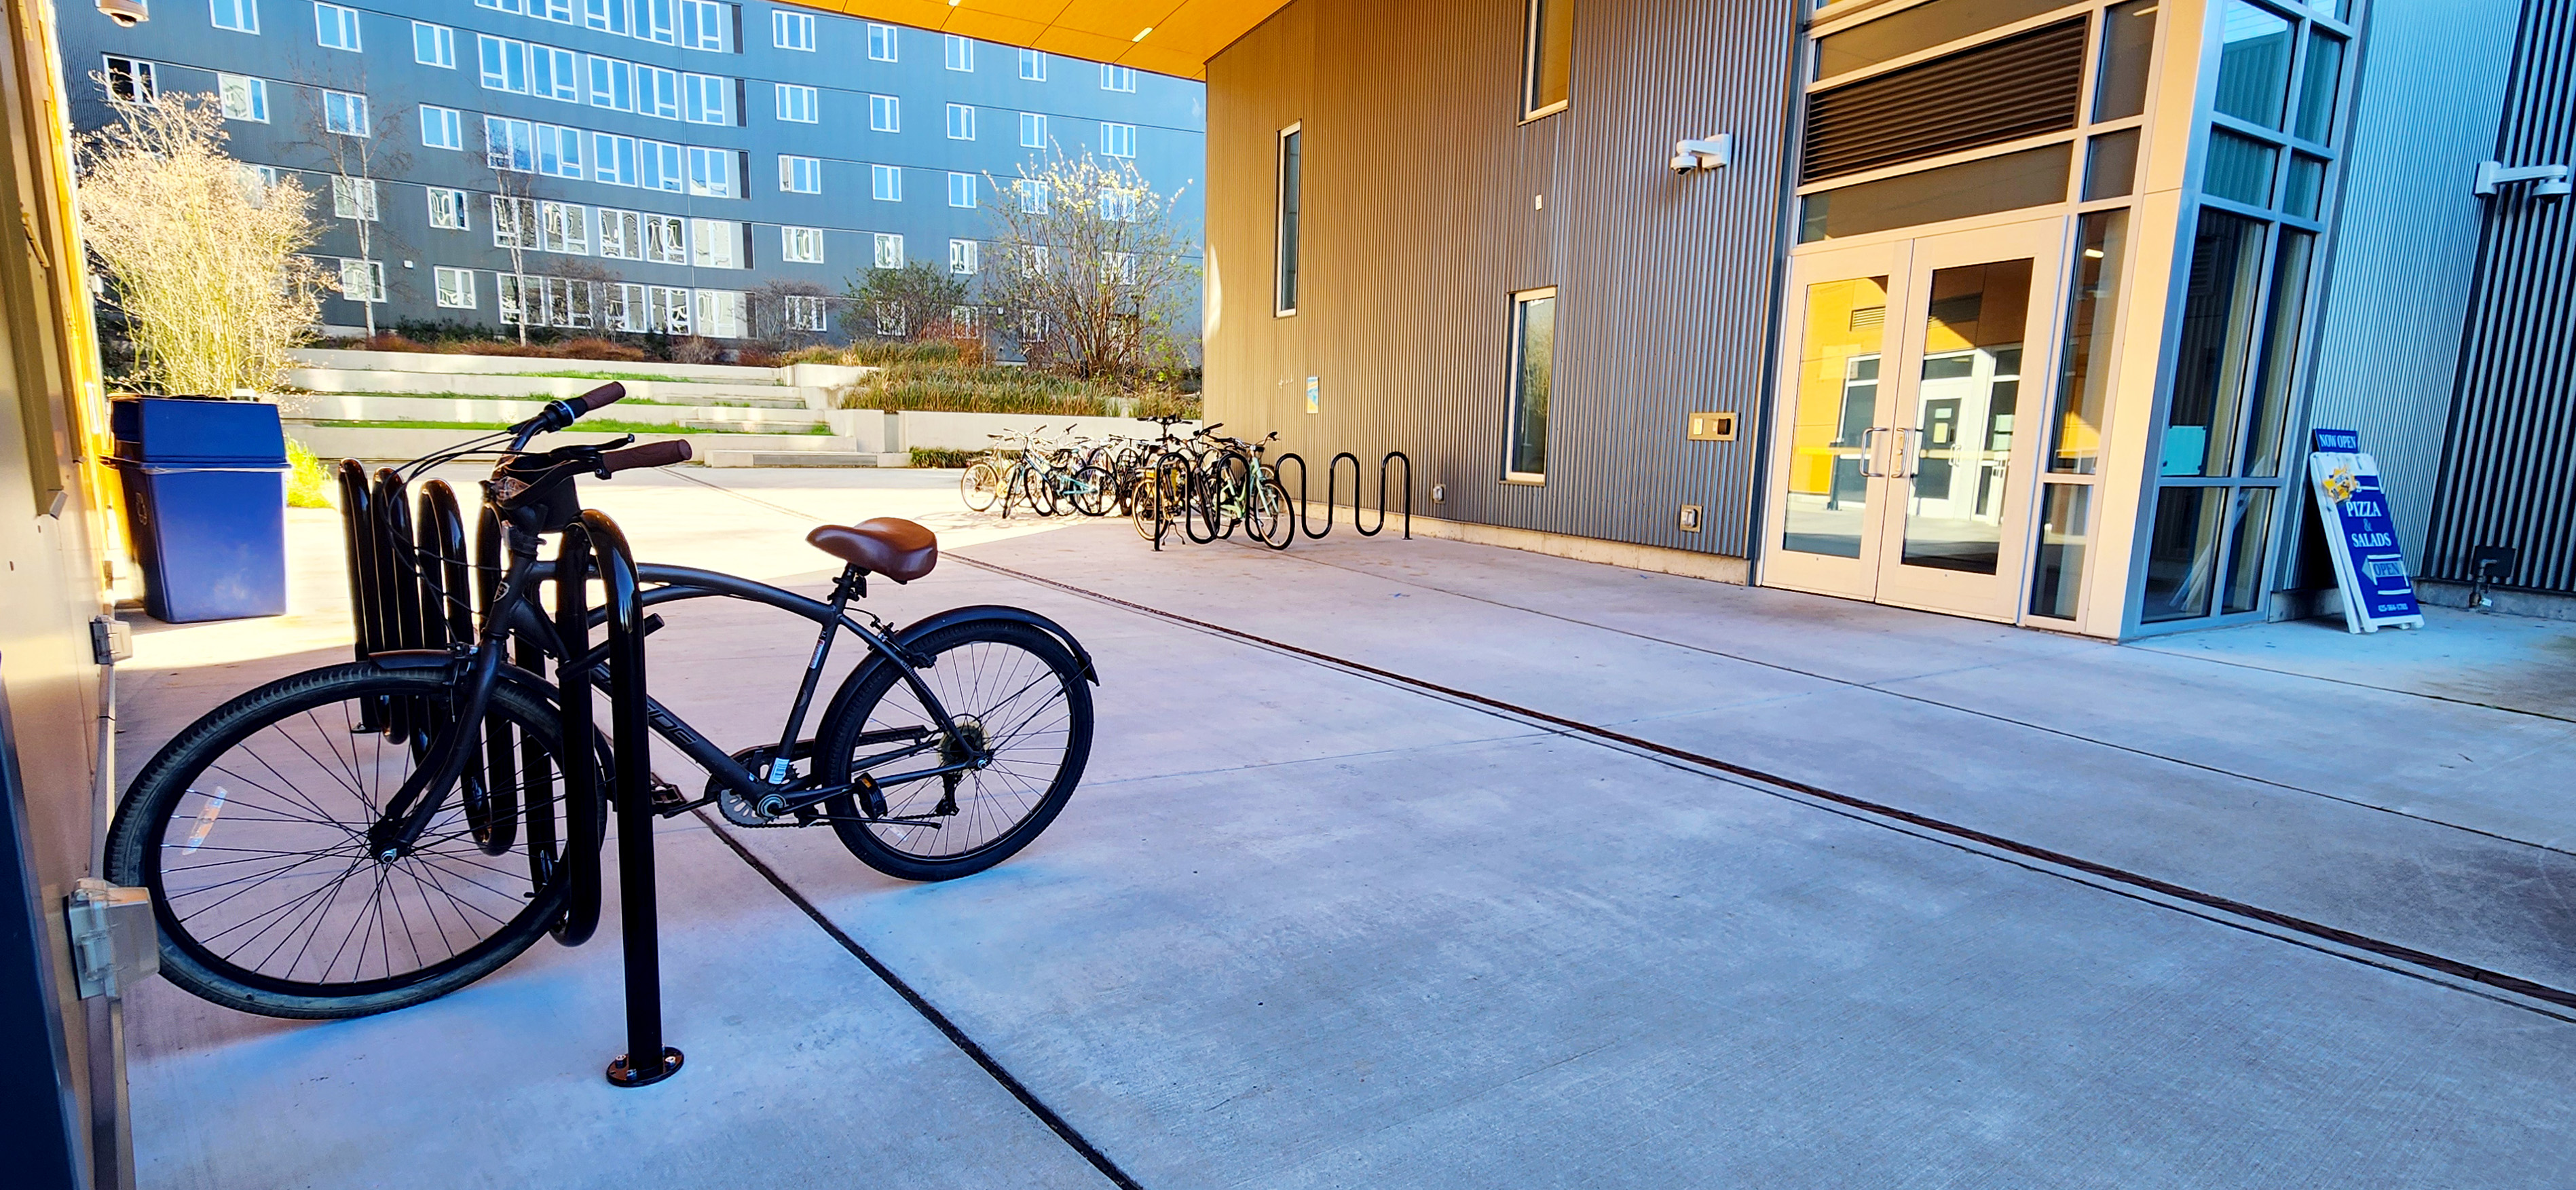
1186, 33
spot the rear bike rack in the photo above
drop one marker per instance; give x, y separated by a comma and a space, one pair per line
1299, 515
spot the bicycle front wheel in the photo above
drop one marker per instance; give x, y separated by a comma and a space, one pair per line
1090, 492
250, 831
1012, 690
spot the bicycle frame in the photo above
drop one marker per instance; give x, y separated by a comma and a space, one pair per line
512, 613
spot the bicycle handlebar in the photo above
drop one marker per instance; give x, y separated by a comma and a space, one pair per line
651, 454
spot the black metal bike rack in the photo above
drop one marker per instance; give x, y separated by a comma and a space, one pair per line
418, 583
1300, 515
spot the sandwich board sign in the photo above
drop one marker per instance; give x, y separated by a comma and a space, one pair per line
2360, 535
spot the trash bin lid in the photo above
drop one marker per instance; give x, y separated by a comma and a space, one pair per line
199, 431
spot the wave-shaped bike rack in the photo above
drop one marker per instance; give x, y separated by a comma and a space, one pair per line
415, 584
1201, 522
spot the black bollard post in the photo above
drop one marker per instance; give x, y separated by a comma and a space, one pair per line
646, 1060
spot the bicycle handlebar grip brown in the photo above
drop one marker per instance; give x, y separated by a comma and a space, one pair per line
601, 397
651, 454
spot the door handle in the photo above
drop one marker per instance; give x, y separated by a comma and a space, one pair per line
1869, 454
1907, 461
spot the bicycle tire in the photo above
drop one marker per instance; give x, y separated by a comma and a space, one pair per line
1145, 507
1042, 491
979, 487
139, 849
1005, 652
1091, 490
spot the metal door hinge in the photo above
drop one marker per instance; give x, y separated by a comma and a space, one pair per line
110, 640
115, 942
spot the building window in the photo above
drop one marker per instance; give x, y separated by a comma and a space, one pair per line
447, 208
961, 190
890, 320
441, 127
800, 175
1034, 195
721, 313
889, 250
1033, 65
1533, 369
657, 21
960, 53
514, 222
559, 151
965, 257
1121, 206
657, 92
792, 30
509, 144
797, 105
667, 309
353, 198
1117, 78
362, 280
1292, 182
666, 239
1032, 130
434, 45
563, 227
612, 84
1118, 268
335, 27
885, 183
961, 122
1547, 56
1033, 260
258, 180
881, 42
130, 79
344, 113
804, 312
609, 16
612, 160
885, 113
1033, 326
240, 16
243, 97
455, 288
659, 166
710, 172
621, 234
716, 244
516, 6
705, 99
702, 25
554, 74
1118, 140
800, 245
504, 62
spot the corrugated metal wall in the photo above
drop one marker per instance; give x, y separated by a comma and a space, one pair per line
2431, 82
1420, 222
2510, 461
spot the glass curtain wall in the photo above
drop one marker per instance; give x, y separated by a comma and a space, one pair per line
2224, 469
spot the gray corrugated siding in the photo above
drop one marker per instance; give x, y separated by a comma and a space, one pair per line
2510, 462
1419, 225
2432, 80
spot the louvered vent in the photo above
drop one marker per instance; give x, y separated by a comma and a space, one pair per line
2020, 86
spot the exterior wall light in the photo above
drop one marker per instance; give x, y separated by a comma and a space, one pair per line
1712, 153
2552, 178
126, 13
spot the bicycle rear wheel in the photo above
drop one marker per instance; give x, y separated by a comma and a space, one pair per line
1013, 689
250, 831
1091, 490
980, 486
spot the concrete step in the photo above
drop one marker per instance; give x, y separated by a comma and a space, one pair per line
393, 407
805, 458
733, 425
374, 443
546, 388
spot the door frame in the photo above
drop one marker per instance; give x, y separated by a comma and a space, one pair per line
1908, 259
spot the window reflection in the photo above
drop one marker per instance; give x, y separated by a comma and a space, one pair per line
2181, 554
2254, 63
2084, 381
2317, 86
2217, 338
1838, 358
2058, 578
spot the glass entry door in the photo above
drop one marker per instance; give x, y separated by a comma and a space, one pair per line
1902, 474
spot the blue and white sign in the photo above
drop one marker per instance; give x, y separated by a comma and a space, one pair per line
2360, 535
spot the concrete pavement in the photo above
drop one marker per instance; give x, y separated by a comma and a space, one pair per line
1306, 927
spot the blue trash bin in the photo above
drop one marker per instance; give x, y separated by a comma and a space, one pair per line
205, 494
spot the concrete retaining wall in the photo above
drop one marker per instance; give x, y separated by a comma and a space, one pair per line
361, 407
506, 365
971, 431
341, 380
391, 445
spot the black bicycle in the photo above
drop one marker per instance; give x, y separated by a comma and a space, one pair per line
368, 836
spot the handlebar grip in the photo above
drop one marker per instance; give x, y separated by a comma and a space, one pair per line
602, 397
651, 454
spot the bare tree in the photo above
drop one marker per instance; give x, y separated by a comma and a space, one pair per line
771, 321
362, 145
1091, 264
206, 257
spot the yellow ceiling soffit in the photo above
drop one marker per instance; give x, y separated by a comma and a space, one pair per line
1174, 37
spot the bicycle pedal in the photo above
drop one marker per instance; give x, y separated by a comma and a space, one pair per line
667, 797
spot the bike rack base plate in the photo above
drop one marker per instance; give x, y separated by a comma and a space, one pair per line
620, 1074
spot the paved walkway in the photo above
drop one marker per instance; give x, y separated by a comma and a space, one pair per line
1309, 924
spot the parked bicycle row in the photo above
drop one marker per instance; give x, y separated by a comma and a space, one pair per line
1208, 483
